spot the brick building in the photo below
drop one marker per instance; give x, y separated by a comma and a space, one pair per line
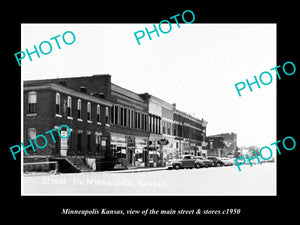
110, 125
222, 145
48, 105
128, 118
189, 133
185, 133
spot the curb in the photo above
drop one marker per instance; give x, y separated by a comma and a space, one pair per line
137, 170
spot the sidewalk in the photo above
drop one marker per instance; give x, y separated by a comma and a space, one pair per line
137, 170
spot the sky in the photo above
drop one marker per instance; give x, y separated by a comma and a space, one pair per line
195, 66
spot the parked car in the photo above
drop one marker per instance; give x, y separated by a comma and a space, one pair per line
216, 160
227, 161
186, 161
207, 162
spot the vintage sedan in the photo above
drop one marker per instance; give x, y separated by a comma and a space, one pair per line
227, 161
186, 161
207, 162
216, 160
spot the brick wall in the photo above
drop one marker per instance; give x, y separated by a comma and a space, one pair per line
46, 119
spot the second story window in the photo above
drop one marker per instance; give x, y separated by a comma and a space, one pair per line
164, 127
32, 99
89, 111
69, 107
106, 115
112, 115
122, 116
79, 109
98, 113
116, 115
57, 104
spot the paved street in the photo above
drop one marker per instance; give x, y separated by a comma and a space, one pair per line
256, 180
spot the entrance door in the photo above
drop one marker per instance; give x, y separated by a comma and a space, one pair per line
130, 156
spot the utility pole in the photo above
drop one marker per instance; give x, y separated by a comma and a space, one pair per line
161, 154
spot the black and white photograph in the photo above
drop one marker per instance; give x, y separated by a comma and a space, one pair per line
150, 112
122, 115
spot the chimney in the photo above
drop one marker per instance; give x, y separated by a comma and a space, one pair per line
99, 95
83, 89
63, 82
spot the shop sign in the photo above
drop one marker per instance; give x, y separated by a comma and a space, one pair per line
130, 141
64, 134
64, 144
163, 142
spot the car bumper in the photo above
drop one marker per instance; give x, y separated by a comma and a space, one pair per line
169, 165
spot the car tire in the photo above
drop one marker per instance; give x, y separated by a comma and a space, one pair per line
219, 164
197, 166
177, 167
206, 166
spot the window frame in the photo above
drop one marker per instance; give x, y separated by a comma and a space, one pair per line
79, 112
89, 112
98, 113
57, 105
32, 106
107, 116
69, 107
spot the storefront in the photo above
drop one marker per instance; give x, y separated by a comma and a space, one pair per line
186, 147
141, 152
119, 147
154, 150
129, 151
169, 150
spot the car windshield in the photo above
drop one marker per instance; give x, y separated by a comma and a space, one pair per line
187, 157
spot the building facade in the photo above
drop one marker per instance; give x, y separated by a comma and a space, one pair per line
189, 133
222, 145
108, 123
128, 118
48, 105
